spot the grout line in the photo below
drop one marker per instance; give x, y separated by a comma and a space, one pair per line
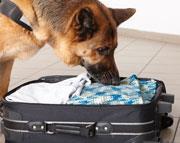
40, 70
123, 48
163, 45
176, 130
155, 36
29, 76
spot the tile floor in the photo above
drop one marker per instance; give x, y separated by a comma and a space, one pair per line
146, 58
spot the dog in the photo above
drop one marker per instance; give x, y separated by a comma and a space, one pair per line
81, 32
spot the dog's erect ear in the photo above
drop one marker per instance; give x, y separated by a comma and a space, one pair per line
121, 15
84, 24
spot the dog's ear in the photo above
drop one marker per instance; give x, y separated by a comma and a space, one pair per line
84, 24
121, 15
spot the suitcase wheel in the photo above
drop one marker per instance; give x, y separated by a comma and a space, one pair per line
166, 122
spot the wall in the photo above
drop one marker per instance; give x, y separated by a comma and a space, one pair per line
161, 16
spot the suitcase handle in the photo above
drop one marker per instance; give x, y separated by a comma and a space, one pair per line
167, 97
165, 103
164, 107
85, 131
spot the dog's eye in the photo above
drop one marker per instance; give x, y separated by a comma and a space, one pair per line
104, 51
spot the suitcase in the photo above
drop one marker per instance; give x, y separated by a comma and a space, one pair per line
43, 123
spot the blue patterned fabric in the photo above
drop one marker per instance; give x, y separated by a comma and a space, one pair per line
131, 91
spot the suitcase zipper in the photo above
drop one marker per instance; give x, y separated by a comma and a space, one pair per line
86, 129
82, 123
111, 134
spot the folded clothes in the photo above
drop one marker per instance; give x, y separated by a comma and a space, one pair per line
130, 91
80, 91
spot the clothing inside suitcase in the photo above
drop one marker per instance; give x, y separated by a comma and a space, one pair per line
80, 91
52, 123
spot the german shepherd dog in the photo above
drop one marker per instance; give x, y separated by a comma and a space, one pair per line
81, 32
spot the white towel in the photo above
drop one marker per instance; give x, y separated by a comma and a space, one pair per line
51, 93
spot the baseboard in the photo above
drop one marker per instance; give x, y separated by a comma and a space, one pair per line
163, 37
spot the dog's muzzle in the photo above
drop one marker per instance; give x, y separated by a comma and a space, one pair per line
102, 73
107, 78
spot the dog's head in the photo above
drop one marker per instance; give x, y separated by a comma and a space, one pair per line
90, 40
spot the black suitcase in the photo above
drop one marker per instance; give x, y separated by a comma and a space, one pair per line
43, 123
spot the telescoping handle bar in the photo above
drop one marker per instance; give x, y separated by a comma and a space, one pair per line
165, 103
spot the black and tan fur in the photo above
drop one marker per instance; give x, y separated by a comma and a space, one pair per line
81, 32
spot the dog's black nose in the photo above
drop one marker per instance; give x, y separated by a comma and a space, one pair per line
113, 81
116, 81
107, 79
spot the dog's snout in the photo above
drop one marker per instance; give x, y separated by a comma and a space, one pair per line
105, 76
116, 81
105, 72
110, 78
